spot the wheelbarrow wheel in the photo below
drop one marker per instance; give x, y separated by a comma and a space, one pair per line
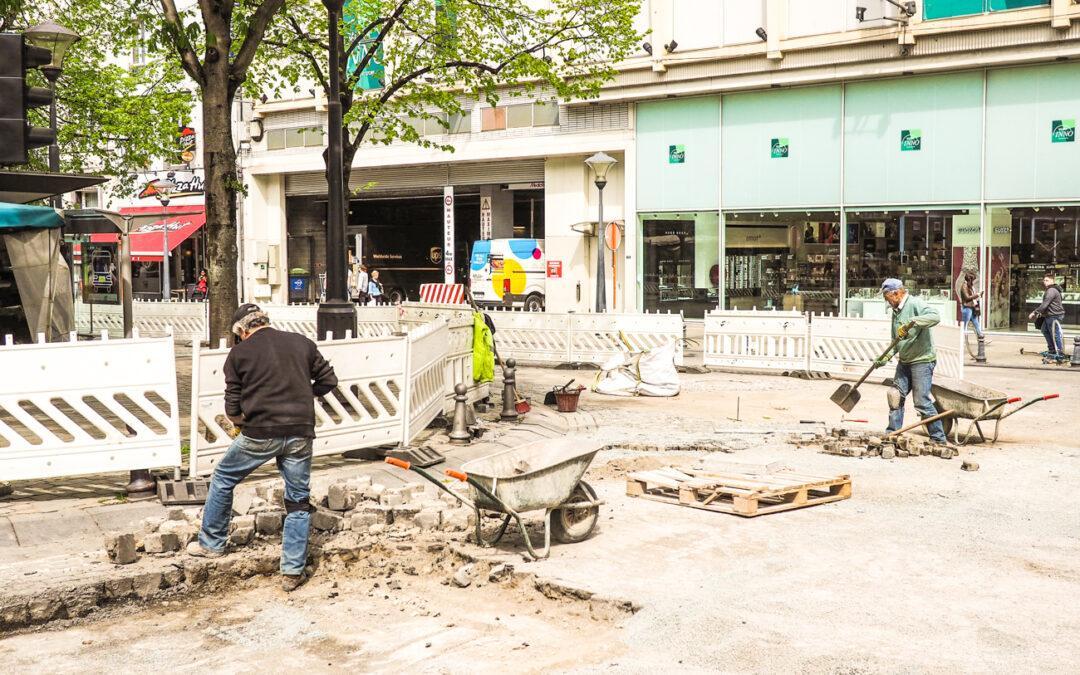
569, 526
946, 422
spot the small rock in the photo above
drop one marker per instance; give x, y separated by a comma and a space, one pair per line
887, 452
175, 513
969, 465
428, 520
326, 521
394, 585
175, 526
500, 573
463, 576
242, 536
120, 548
377, 529
374, 491
151, 524
458, 520
161, 542
5, 488
269, 522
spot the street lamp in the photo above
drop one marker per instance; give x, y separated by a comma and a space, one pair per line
600, 163
336, 315
164, 189
56, 39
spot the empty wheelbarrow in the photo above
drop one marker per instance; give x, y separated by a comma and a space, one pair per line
540, 476
976, 403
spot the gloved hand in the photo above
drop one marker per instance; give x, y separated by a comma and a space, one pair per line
880, 362
905, 330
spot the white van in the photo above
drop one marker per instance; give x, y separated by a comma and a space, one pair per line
509, 272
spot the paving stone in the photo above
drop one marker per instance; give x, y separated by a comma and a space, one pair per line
363, 520
269, 522
458, 520
391, 499
175, 513
151, 524
428, 520
243, 522
116, 589
374, 491
146, 585
120, 548
242, 536
342, 497
382, 514
161, 542
326, 521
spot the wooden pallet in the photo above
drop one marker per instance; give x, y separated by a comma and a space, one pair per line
739, 491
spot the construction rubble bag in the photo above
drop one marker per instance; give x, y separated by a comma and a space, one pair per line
648, 373
483, 357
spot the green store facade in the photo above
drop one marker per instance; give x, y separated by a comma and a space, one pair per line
806, 198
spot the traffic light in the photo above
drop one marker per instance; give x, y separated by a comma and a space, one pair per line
17, 136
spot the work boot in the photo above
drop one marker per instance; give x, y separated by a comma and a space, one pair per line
291, 582
199, 551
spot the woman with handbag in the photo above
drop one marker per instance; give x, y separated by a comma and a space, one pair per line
969, 304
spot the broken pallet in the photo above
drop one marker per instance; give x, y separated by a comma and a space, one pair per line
738, 491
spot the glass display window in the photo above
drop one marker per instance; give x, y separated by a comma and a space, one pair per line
680, 261
786, 260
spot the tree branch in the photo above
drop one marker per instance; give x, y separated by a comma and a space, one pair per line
255, 31
175, 30
374, 46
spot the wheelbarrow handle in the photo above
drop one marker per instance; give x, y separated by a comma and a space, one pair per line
481, 488
402, 464
1033, 401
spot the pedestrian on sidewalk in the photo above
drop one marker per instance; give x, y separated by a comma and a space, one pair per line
1052, 313
202, 286
969, 303
362, 283
375, 288
271, 379
916, 355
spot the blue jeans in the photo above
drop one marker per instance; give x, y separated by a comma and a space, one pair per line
1051, 330
917, 377
293, 457
967, 314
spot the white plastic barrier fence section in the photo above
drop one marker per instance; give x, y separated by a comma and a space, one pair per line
847, 346
365, 410
426, 381
74, 408
459, 361
594, 338
768, 340
537, 337
95, 318
373, 321
188, 320
549, 337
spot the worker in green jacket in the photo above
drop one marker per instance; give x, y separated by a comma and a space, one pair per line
916, 356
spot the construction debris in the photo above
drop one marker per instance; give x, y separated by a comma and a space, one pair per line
852, 443
738, 490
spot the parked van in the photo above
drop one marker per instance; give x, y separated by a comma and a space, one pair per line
509, 272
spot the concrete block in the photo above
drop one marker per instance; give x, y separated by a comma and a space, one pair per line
326, 521
362, 521
405, 513
161, 542
242, 522
269, 522
342, 497
242, 536
391, 498
120, 548
382, 514
428, 520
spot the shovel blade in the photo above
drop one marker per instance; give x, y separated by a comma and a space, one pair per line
846, 397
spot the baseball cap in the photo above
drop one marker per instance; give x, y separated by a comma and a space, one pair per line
891, 285
242, 311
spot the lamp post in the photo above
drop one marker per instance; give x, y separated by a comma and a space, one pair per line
600, 163
336, 315
164, 188
56, 39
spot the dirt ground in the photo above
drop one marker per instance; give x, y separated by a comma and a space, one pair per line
926, 568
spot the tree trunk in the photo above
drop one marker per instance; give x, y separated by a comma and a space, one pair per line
219, 157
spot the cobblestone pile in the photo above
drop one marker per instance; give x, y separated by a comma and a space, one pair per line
853, 443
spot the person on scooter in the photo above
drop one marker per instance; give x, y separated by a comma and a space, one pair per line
1051, 312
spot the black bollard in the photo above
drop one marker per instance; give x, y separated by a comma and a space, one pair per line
460, 435
509, 410
980, 356
1074, 362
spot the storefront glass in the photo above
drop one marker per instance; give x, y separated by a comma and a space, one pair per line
783, 260
927, 249
1026, 243
681, 261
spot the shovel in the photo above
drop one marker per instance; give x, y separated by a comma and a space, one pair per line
847, 396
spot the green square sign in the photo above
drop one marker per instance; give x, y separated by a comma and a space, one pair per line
779, 148
910, 140
1063, 131
676, 154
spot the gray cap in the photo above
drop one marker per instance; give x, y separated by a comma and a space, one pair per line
891, 285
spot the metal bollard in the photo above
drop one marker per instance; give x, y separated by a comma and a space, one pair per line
1074, 362
460, 435
980, 355
509, 411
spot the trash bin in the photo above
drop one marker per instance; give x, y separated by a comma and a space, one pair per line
299, 285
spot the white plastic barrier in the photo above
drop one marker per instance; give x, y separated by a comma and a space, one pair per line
459, 362
187, 321
549, 337
760, 339
848, 345
74, 408
373, 321
366, 409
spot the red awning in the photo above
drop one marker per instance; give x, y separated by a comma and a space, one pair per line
147, 241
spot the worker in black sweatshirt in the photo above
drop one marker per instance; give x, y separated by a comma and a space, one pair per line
271, 379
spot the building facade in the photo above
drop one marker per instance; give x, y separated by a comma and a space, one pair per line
772, 153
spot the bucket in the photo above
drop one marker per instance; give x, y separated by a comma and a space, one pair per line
566, 401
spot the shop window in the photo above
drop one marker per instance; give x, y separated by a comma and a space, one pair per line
786, 260
941, 9
681, 261
275, 139
928, 250
492, 119
1026, 243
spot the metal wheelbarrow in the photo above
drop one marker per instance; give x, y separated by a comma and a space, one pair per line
544, 475
965, 400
